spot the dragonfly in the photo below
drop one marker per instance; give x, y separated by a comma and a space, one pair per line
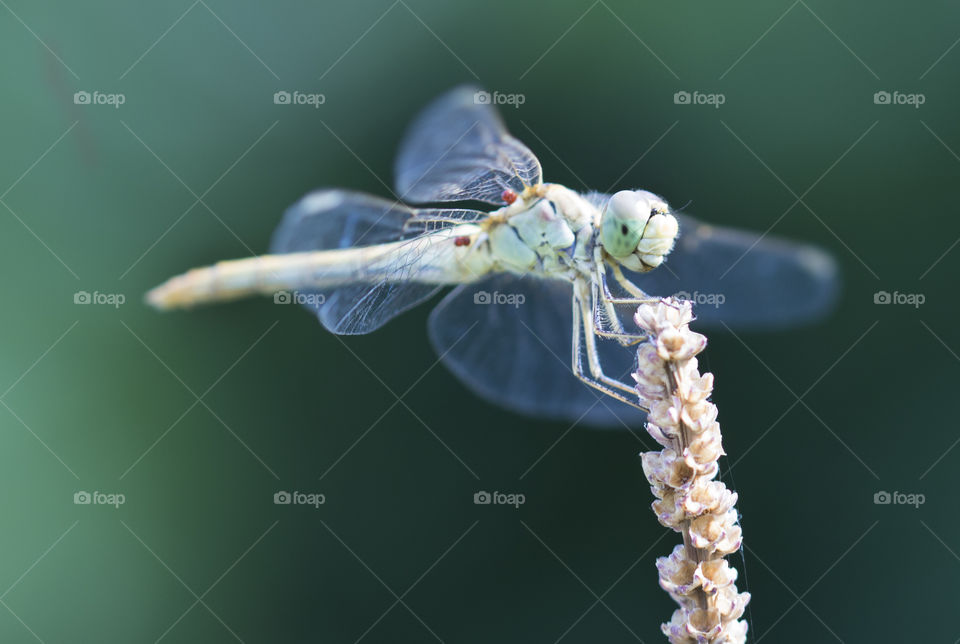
546, 279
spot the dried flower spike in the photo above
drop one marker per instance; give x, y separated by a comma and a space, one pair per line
681, 476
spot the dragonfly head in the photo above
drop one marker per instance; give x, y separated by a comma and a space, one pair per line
637, 229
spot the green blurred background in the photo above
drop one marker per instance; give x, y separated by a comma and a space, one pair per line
102, 398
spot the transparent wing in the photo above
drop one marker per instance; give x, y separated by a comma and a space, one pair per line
329, 219
738, 278
458, 149
510, 340
355, 310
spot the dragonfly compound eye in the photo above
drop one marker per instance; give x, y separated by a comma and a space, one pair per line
623, 223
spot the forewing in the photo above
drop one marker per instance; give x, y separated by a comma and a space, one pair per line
330, 219
458, 149
509, 339
743, 279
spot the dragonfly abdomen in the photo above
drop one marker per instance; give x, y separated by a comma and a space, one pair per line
233, 279
440, 257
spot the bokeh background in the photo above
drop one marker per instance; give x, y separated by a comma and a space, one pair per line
199, 418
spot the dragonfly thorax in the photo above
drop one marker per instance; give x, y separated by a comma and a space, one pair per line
548, 230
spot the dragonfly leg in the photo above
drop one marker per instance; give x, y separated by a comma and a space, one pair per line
603, 297
595, 378
610, 303
617, 332
628, 286
638, 296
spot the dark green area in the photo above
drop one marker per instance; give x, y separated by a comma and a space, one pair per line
110, 208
